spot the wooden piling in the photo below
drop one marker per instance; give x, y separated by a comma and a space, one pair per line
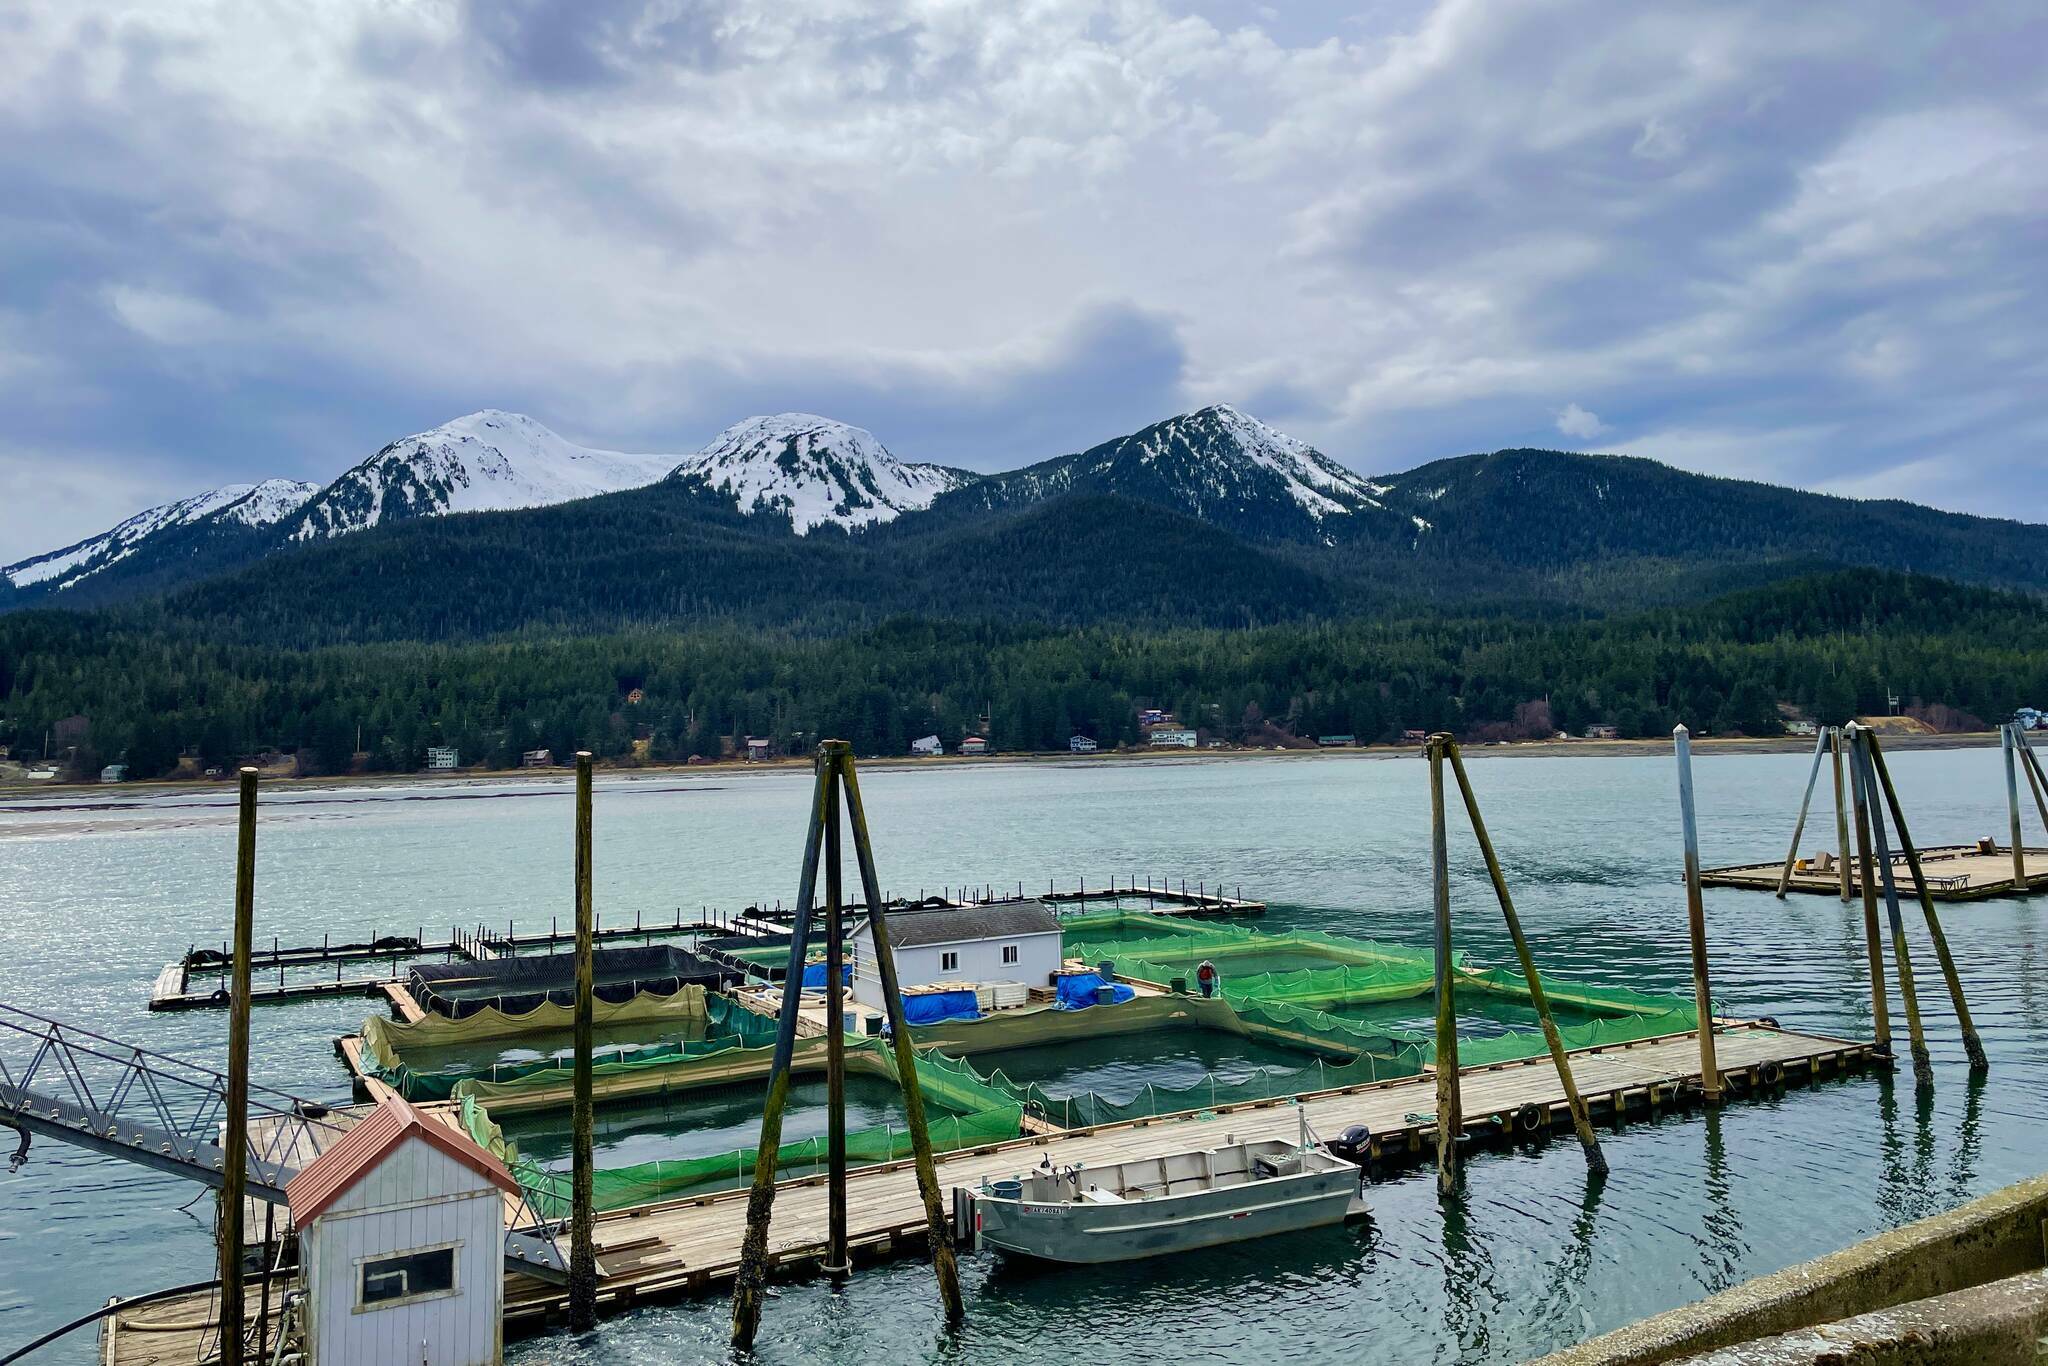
2037, 781
235, 1118
1842, 851
1596, 1160
1865, 772
1820, 744
1873, 942
1695, 906
944, 1265
1450, 1116
583, 1170
2007, 744
837, 1262
1972, 1044
752, 1274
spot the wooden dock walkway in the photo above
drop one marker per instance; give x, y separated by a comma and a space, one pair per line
1956, 872
691, 1245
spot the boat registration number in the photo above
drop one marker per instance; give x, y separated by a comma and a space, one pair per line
1041, 1210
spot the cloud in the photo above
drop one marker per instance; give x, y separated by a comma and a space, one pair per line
241, 242
1576, 422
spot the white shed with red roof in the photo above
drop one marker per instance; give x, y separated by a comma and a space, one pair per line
401, 1229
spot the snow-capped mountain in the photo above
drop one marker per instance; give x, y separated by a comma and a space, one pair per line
1222, 466
815, 471
489, 461
247, 505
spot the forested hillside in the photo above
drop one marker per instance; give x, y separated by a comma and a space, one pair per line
1833, 643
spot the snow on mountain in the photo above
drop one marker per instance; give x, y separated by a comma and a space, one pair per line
1221, 465
251, 505
489, 461
816, 471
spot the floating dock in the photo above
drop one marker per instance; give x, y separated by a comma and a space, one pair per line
1955, 872
198, 981
691, 1245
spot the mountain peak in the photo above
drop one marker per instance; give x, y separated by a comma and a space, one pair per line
814, 470
486, 461
247, 505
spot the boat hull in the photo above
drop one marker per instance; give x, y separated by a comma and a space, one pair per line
1088, 1234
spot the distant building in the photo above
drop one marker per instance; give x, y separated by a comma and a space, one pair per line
114, 773
1173, 739
1005, 941
927, 748
1801, 728
537, 758
636, 697
1414, 737
1152, 716
1081, 744
1337, 741
759, 747
974, 744
1603, 732
443, 756
2031, 719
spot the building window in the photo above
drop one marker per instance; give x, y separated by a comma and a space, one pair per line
1009, 953
949, 962
406, 1277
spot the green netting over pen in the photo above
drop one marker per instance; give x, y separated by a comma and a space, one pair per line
658, 1029
962, 1110
1363, 972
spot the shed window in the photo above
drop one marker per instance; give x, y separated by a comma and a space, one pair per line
949, 962
1009, 953
407, 1276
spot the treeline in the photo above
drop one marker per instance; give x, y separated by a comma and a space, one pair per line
1834, 645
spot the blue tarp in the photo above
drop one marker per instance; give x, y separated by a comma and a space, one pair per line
814, 976
930, 1007
1079, 990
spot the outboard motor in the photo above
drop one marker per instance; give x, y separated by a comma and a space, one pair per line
1353, 1145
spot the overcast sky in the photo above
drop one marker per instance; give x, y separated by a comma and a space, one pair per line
1803, 243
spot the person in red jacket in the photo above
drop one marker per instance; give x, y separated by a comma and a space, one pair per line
1205, 977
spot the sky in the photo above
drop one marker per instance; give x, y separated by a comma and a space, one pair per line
1801, 243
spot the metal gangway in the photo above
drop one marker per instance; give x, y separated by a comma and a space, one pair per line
74, 1086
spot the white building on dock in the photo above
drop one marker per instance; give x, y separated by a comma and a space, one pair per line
402, 1244
1005, 941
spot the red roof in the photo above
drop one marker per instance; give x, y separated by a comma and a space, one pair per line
375, 1137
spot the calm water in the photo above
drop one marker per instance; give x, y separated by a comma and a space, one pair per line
1532, 1257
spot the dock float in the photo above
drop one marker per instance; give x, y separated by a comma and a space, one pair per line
691, 1245
1955, 872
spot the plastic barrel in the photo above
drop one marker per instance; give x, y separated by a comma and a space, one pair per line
1106, 970
1105, 995
1180, 986
1007, 1190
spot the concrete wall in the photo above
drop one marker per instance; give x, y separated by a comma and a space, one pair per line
1989, 1239
380, 1216
1038, 957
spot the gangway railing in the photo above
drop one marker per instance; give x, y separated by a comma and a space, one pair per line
71, 1085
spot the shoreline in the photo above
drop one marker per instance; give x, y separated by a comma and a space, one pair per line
1704, 747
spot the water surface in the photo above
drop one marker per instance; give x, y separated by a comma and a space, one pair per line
96, 895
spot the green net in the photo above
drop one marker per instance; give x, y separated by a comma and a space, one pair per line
720, 1022
963, 1110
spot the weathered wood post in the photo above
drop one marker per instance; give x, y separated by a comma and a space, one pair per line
753, 1268
2037, 781
1450, 1115
1923, 1065
1842, 851
582, 1162
1866, 876
2012, 807
944, 1265
235, 1120
1972, 1045
1596, 1160
1696, 911
837, 1263
1820, 743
